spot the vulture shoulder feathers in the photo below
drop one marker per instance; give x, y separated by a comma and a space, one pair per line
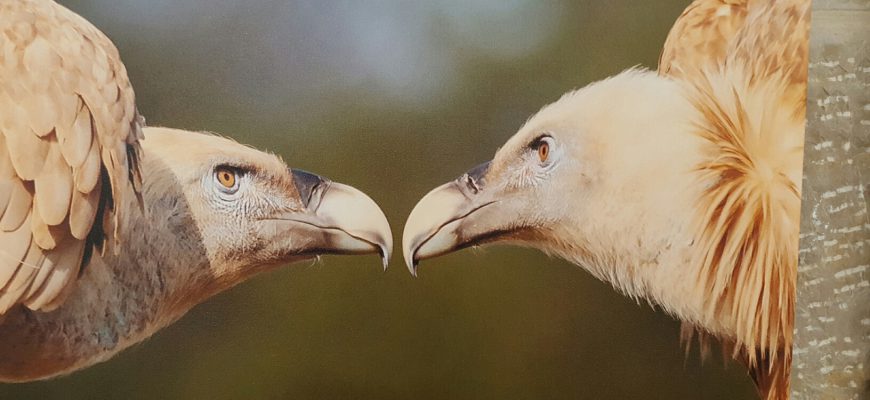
69, 133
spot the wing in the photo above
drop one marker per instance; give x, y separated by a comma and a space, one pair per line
701, 35
773, 44
767, 36
69, 133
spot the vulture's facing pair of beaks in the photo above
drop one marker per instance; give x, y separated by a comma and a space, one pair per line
435, 226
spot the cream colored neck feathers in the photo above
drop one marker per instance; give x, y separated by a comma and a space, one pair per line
692, 200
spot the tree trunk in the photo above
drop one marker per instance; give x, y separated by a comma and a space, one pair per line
832, 321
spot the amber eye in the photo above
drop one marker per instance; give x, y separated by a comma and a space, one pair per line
544, 151
226, 177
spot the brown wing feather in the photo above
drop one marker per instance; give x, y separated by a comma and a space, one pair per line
702, 35
774, 44
68, 113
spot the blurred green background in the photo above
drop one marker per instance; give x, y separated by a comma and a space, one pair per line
393, 98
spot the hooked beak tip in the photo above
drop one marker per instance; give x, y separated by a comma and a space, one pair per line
385, 257
412, 267
346, 220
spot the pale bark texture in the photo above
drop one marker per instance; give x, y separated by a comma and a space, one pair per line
832, 321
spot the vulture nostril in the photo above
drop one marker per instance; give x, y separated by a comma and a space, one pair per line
474, 178
472, 185
306, 184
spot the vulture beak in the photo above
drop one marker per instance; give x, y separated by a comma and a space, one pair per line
456, 215
338, 219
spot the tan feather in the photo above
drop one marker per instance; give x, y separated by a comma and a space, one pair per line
6, 170
67, 103
54, 187
20, 282
6, 176
27, 151
110, 94
82, 212
75, 136
5, 194
13, 248
39, 56
114, 159
38, 53
42, 273
18, 208
64, 263
87, 176
9, 60
42, 235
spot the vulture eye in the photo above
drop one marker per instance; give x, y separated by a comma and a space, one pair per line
544, 151
542, 146
228, 179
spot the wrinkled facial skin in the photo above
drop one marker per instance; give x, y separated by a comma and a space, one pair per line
583, 176
252, 211
495, 201
262, 220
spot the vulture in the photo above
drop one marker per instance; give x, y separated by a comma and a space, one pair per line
680, 187
110, 231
